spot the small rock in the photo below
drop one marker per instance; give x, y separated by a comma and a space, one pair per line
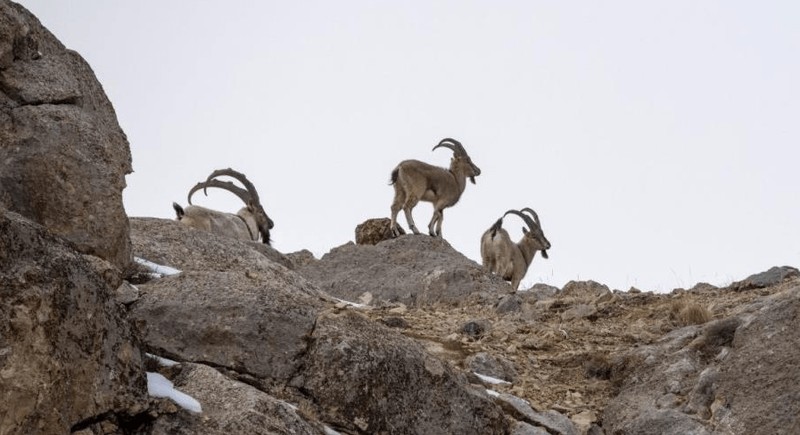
522, 428
127, 293
580, 311
300, 258
551, 420
395, 322
374, 231
365, 298
475, 329
489, 365
542, 291
584, 420
509, 304
586, 290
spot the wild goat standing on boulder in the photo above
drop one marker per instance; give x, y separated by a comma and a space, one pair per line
416, 181
508, 259
249, 223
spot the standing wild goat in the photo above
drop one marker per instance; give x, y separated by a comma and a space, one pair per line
249, 223
416, 181
508, 259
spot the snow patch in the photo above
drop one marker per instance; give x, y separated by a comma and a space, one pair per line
491, 380
352, 304
492, 393
159, 270
159, 386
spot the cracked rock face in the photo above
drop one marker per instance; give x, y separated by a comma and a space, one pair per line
63, 155
66, 354
256, 326
268, 324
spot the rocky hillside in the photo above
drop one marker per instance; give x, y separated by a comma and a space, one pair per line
117, 325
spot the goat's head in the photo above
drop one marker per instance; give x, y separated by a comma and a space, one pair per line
460, 160
534, 231
248, 195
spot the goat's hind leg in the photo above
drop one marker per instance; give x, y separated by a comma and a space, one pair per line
397, 204
407, 207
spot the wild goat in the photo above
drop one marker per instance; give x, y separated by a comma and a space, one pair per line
416, 181
249, 223
508, 259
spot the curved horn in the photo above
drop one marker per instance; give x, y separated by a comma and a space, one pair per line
244, 195
531, 224
251, 189
453, 144
535, 216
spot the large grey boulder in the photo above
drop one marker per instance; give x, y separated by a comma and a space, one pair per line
414, 270
253, 323
368, 376
774, 276
229, 407
63, 155
171, 243
758, 386
66, 355
732, 375
231, 306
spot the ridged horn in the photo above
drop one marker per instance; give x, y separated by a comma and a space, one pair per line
531, 224
453, 144
533, 213
248, 195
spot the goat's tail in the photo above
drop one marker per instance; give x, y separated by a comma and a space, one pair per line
497, 225
394, 175
178, 210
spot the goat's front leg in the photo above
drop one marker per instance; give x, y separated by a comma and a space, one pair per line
438, 215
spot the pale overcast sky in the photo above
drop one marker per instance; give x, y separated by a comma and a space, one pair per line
658, 141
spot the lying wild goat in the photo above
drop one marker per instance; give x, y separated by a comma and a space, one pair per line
249, 223
508, 259
416, 181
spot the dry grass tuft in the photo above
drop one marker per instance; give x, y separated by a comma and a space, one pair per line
689, 313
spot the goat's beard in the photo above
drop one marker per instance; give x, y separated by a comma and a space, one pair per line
544, 254
472, 179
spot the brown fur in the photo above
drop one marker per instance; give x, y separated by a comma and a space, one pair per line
416, 181
507, 259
